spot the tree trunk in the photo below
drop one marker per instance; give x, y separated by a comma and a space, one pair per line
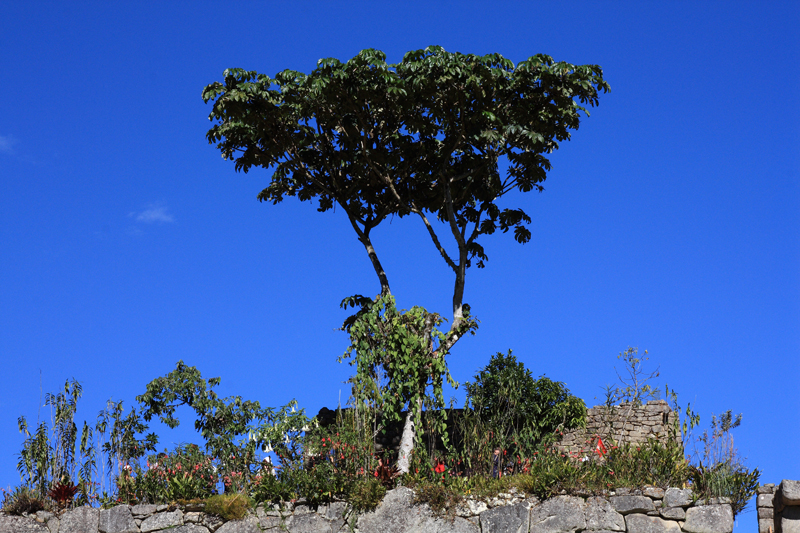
413, 418
406, 444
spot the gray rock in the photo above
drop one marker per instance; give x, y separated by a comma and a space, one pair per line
270, 522
334, 510
189, 528
673, 513
769, 488
709, 519
765, 500
600, 515
766, 525
192, 517
212, 522
308, 523
80, 520
790, 490
397, 514
556, 515
790, 519
117, 520
162, 521
52, 524
641, 523
246, 525
143, 510
20, 524
654, 492
506, 519
766, 512
632, 504
677, 497
444, 525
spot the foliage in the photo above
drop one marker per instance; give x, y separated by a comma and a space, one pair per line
54, 455
234, 429
22, 500
441, 498
63, 493
720, 472
229, 506
366, 494
184, 474
426, 137
508, 409
406, 348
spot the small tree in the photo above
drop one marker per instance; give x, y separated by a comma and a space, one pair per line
425, 137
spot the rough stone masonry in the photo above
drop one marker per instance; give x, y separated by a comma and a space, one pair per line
651, 510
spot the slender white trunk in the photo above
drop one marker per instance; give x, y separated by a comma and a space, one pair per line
406, 444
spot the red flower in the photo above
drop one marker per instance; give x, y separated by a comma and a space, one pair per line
439, 468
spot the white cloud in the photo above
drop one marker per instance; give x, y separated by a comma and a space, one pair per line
7, 143
154, 213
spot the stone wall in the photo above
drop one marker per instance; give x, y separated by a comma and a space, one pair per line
622, 424
651, 510
779, 507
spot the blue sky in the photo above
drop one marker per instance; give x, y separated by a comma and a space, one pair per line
669, 222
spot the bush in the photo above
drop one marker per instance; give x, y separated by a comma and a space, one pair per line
365, 494
185, 474
720, 471
508, 409
22, 501
229, 506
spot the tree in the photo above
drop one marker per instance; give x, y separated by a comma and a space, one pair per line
424, 137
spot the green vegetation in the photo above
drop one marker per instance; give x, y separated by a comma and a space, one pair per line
507, 409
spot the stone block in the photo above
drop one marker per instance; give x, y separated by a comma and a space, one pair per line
790, 519
162, 521
678, 497
117, 520
673, 513
142, 510
246, 525
709, 519
790, 492
20, 524
766, 512
632, 504
655, 493
765, 500
188, 528
766, 525
307, 523
600, 515
80, 520
641, 523
510, 518
769, 488
559, 514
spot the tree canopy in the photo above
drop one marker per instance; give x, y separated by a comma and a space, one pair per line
424, 137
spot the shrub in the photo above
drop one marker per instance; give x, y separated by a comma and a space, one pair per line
365, 494
720, 471
185, 474
22, 501
509, 409
229, 506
